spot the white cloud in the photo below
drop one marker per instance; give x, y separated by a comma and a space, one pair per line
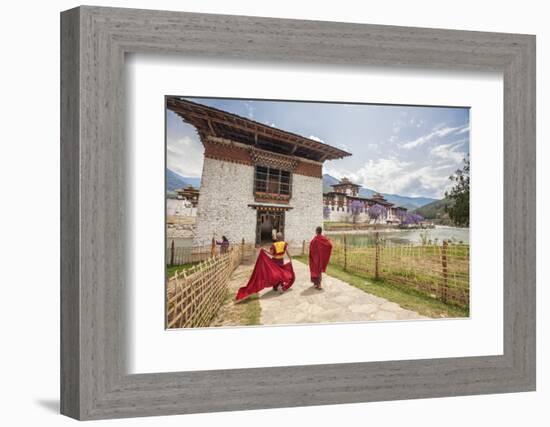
437, 132
463, 130
415, 122
185, 156
449, 151
315, 138
391, 175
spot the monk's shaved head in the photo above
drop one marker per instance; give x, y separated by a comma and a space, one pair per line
318, 230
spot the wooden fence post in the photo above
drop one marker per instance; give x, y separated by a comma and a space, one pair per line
444, 271
303, 247
172, 250
377, 256
345, 253
242, 250
213, 248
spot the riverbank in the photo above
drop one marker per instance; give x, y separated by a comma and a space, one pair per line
382, 229
333, 226
400, 236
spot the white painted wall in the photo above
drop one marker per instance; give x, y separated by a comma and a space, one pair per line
307, 209
226, 192
179, 207
343, 215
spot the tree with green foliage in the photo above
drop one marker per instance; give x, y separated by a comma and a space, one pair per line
459, 209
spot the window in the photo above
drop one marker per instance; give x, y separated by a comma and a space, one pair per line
272, 181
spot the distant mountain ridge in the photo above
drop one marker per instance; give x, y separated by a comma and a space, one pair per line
175, 181
404, 201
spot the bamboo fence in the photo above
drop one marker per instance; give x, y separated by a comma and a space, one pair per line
439, 271
195, 295
193, 254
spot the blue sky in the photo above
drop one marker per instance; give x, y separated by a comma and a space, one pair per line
404, 150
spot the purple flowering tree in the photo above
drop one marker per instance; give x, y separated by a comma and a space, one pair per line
326, 212
407, 219
377, 212
412, 219
400, 214
355, 208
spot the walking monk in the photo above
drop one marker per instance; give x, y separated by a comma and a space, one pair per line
277, 251
320, 249
270, 270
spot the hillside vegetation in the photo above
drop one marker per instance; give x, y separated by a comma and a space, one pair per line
435, 212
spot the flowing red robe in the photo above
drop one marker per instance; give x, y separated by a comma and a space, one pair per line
267, 273
320, 249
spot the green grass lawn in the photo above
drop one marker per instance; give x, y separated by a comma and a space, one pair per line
243, 313
250, 310
418, 266
407, 297
171, 270
337, 224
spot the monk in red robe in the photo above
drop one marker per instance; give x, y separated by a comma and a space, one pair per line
270, 271
277, 251
320, 249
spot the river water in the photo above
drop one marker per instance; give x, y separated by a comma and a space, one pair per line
402, 237
397, 237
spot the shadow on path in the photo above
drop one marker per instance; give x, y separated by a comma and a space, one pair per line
310, 291
274, 294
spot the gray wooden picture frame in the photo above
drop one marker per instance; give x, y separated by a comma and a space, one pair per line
94, 381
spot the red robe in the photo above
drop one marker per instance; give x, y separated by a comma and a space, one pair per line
267, 273
320, 249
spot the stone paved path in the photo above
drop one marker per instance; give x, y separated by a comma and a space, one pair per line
337, 302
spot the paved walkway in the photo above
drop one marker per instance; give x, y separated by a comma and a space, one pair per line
337, 302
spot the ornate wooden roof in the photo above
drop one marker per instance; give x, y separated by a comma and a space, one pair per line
345, 182
382, 201
218, 123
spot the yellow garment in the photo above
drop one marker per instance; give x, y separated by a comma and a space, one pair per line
279, 250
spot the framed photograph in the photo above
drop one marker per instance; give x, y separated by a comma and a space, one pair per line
246, 197
261, 213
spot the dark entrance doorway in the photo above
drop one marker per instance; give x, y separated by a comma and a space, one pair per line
267, 221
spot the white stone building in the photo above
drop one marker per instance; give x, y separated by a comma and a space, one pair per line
255, 178
177, 207
337, 205
183, 203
